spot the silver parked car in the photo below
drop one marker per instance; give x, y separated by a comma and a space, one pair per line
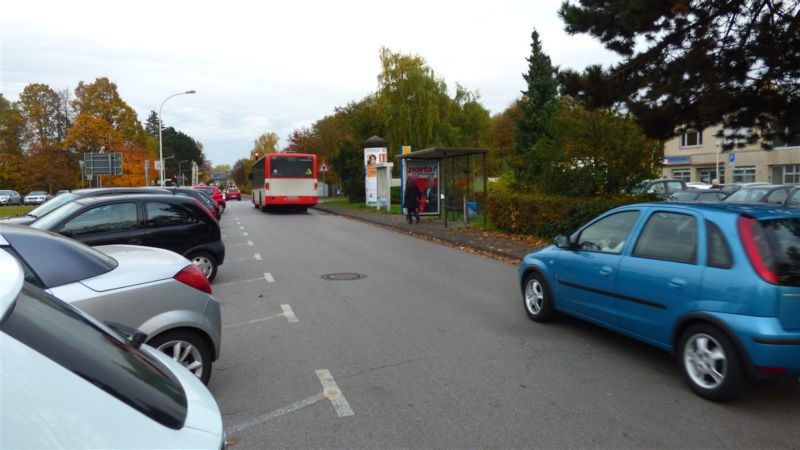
68, 381
131, 288
10, 197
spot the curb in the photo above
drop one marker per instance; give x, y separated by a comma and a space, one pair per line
490, 252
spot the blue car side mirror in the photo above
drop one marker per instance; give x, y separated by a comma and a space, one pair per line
563, 242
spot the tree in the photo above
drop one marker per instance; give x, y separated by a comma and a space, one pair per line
694, 64
41, 110
590, 152
101, 99
12, 173
240, 172
184, 148
411, 100
266, 143
43, 121
151, 125
219, 168
538, 104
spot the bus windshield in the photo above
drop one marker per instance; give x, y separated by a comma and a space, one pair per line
292, 167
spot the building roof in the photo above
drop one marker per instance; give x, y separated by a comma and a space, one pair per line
443, 152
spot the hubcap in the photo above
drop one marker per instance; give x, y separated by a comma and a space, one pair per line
204, 264
705, 361
534, 296
186, 354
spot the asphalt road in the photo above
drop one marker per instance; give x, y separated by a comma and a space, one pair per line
432, 349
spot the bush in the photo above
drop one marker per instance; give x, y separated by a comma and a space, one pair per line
546, 216
395, 195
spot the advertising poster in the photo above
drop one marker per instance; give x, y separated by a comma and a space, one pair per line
373, 156
425, 173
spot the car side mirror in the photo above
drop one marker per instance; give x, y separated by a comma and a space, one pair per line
563, 242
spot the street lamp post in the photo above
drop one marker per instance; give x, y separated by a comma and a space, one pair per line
160, 145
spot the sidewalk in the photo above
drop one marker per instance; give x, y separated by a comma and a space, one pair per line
497, 245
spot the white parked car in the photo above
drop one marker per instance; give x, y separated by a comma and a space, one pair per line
698, 185
36, 198
68, 381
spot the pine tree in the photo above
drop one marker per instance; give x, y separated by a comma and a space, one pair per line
537, 106
694, 64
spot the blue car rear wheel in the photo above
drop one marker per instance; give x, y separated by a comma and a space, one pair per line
710, 364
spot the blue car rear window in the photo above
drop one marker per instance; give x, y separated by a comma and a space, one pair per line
782, 250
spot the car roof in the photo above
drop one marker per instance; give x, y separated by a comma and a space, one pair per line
11, 278
118, 198
759, 211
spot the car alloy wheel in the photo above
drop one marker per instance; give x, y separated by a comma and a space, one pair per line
186, 354
188, 349
537, 299
710, 363
705, 361
534, 296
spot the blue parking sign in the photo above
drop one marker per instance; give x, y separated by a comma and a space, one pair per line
731, 158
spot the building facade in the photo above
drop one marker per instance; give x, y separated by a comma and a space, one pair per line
698, 156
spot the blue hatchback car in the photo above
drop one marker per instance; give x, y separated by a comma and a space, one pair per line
718, 285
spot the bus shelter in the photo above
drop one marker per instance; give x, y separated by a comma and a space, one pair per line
459, 180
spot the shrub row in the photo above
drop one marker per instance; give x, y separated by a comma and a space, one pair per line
545, 215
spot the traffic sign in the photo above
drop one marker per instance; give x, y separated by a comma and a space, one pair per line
323, 168
102, 163
731, 158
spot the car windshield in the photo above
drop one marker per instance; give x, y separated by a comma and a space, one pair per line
38, 193
748, 195
56, 202
48, 221
5, 192
76, 342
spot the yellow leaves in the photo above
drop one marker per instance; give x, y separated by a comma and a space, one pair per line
93, 134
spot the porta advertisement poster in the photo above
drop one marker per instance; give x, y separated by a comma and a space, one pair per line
373, 156
425, 173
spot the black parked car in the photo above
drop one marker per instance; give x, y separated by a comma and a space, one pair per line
698, 196
201, 196
60, 200
663, 187
175, 223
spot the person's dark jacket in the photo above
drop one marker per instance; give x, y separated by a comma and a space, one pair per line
411, 196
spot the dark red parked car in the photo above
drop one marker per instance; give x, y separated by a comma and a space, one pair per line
233, 193
216, 194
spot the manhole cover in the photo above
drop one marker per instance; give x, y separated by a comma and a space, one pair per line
343, 276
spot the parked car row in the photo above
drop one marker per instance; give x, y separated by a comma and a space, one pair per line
12, 197
131, 330
71, 381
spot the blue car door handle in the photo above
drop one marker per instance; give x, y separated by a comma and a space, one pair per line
606, 271
677, 283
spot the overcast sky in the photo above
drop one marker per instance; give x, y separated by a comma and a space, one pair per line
273, 66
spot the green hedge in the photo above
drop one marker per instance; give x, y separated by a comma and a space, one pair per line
548, 215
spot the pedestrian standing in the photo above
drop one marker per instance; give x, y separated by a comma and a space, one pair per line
411, 199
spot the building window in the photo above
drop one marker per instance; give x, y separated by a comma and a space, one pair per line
691, 138
745, 174
707, 174
789, 174
681, 174
783, 142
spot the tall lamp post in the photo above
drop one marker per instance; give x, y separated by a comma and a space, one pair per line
160, 145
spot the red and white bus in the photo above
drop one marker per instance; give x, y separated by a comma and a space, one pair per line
285, 180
